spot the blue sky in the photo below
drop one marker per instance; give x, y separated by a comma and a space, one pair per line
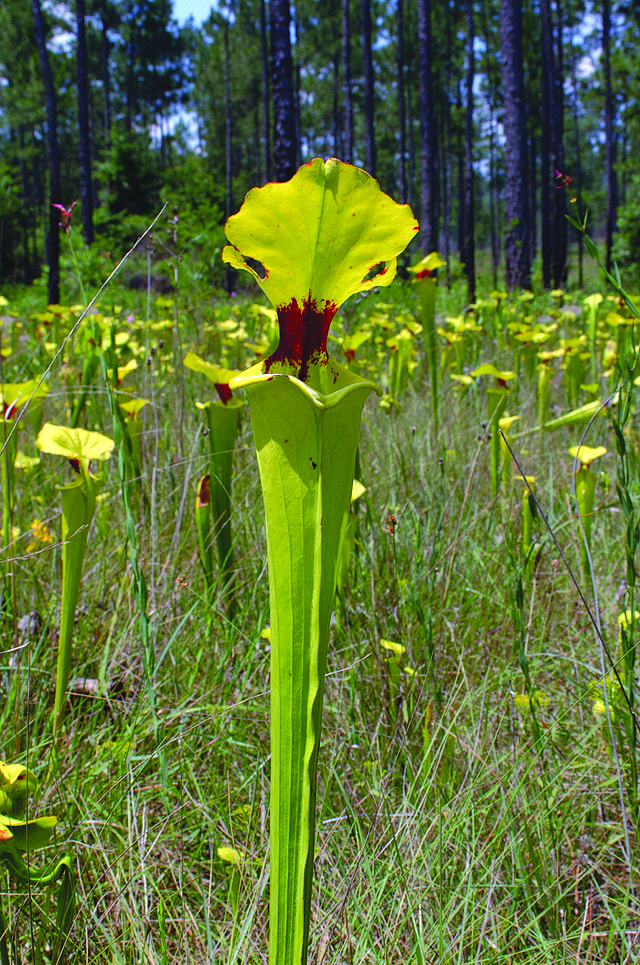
198, 9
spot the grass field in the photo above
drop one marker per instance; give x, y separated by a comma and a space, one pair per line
475, 804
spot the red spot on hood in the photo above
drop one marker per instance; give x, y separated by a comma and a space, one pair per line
303, 334
223, 390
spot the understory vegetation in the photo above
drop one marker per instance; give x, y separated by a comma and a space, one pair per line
478, 790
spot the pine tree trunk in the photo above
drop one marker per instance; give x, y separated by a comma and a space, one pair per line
53, 156
459, 155
402, 121
336, 121
86, 177
266, 128
577, 147
448, 153
545, 151
412, 142
532, 181
130, 76
285, 143
106, 74
227, 124
493, 218
227, 145
518, 266
559, 226
369, 91
346, 82
610, 143
553, 201
428, 156
468, 250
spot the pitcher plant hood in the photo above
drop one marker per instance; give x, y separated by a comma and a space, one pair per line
310, 243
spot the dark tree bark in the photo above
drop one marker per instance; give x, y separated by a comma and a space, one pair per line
53, 156
493, 218
553, 201
577, 147
610, 141
545, 155
336, 120
346, 82
428, 155
131, 71
369, 91
448, 153
228, 147
257, 144
106, 73
412, 143
402, 120
492, 95
518, 266
285, 141
297, 87
559, 226
532, 180
459, 155
468, 248
86, 177
266, 125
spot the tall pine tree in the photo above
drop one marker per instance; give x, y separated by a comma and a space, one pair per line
517, 250
285, 139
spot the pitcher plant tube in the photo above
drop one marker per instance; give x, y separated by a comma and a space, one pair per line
310, 243
80, 447
426, 279
131, 407
221, 417
497, 397
19, 835
585, 487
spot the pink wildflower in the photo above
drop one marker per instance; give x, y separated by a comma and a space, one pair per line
65, 215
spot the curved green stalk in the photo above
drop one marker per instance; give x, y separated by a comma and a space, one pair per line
505, 440
78, 505
132, 426
222, 423
585, 496
497, 398
222, 417
585, 486
79, 446
203, 527
306, 444
9, 442
543, 391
